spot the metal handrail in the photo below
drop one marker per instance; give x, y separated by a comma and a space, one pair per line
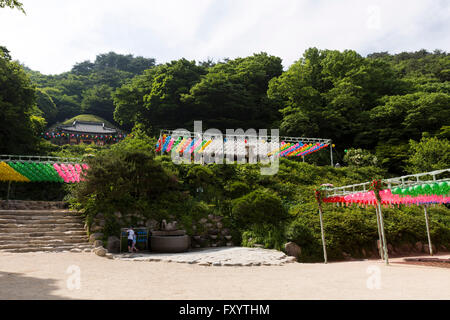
397, 181
48, 159
267, 137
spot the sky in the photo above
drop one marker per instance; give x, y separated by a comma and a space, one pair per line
56, 34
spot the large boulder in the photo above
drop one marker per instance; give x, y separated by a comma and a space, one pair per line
292, 249
95, 236
98, 243
113, 244
100, 251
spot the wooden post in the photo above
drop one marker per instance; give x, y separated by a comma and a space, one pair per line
428, 230
386, 258
323, 235
380, 239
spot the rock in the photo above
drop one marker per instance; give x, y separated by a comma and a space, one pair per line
100, 251
109, 256
87, 250
95, 228
113, 244
152, 224
405, 248
75, 250
210, 216
98, 243
118, 214
95, 236
202, 220
290, 259
257, 245
219, 225
419, 246
292, 249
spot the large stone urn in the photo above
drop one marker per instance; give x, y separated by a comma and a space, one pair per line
169, 239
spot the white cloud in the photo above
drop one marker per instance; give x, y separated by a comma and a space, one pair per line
56, 34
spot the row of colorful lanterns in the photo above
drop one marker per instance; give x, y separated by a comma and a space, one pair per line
49, 135
42, 172
387, 197
440, 188
167, 143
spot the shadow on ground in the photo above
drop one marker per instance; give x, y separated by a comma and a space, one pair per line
19, 286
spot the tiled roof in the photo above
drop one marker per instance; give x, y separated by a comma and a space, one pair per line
88, 127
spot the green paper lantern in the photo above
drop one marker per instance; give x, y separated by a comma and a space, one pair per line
426, 189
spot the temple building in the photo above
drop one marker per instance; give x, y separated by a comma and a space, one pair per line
86, 132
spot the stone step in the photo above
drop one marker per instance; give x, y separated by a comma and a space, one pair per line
26, 237
45, 212
40, 230
80, 233
38, 223
41, 217
41, 225
44, 245
35, 243
45, 249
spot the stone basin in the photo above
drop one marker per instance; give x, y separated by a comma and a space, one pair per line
169, 241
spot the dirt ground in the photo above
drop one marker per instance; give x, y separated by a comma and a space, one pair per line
54, 276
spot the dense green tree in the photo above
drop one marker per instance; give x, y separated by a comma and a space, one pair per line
233, 94
45, 103
330, 94
98, 101
428, 154
17, 99
12, 4
154, 99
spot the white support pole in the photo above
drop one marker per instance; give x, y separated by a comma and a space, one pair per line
428, 230
323, 235
386, 258
380, 239
331, 154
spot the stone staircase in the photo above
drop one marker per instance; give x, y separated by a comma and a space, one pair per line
32, 230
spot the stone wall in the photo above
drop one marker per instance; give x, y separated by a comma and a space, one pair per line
209, 231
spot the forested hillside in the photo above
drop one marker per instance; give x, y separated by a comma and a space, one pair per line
87, 88
377, 103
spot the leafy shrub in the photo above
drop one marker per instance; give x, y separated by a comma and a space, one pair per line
360, 158
257, 208
428, 154
270, 236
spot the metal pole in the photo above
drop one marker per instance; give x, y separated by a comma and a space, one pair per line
323, 235
380, 248
331, 154
386, 258
428, 230
9, 187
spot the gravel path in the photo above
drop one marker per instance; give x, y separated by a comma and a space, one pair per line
51, 276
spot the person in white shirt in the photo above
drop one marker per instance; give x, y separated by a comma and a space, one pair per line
133, 248
130, 232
